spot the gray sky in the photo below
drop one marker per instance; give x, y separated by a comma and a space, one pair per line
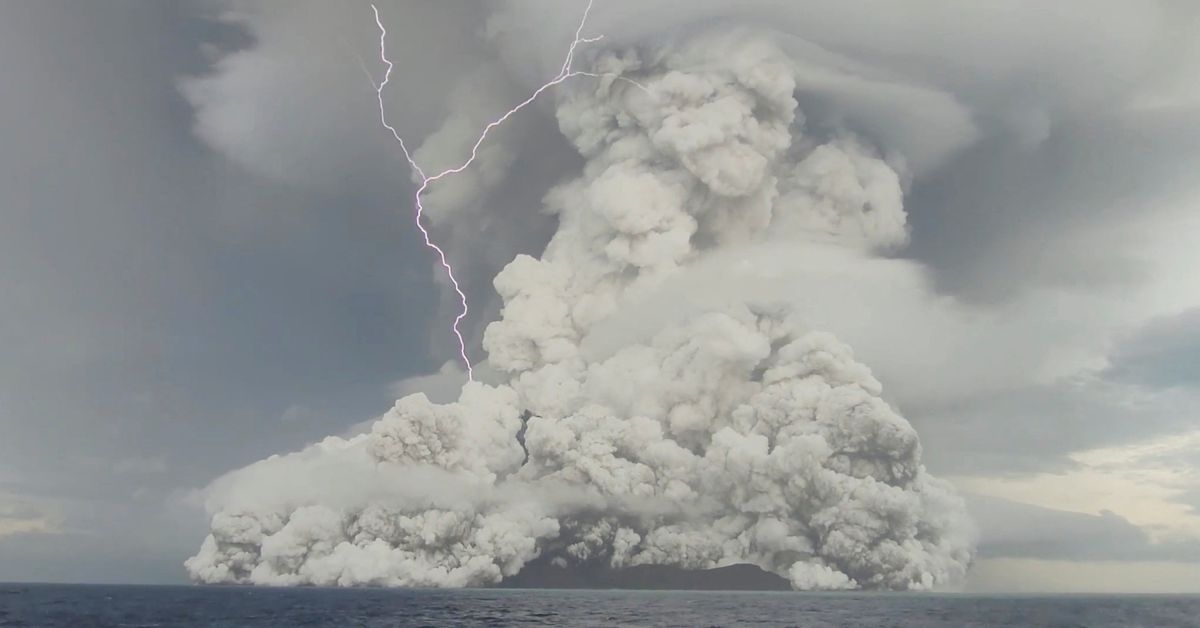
206, 258
168, 316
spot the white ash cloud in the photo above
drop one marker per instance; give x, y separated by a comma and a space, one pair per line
735, 435
791, 461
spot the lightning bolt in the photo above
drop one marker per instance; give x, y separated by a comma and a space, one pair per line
564, 73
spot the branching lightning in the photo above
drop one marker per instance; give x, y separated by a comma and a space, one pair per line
564, 73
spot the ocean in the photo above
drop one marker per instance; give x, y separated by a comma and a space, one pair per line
94, 606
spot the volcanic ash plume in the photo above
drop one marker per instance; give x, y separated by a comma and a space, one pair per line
737, 435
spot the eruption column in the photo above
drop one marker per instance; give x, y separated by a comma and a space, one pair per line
426, 180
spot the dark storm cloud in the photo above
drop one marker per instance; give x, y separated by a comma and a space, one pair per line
1015, 530
1035, 428
162, 309
1164, 352
1007, 216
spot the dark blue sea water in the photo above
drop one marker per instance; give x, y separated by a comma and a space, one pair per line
82, 606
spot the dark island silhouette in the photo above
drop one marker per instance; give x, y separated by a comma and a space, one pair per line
543, 574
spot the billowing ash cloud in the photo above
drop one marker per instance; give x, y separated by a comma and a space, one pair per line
737, 435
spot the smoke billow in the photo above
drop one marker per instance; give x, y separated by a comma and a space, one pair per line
735, 435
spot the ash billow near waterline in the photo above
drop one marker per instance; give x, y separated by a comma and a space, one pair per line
731, 433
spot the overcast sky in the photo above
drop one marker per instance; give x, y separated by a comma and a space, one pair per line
207, 257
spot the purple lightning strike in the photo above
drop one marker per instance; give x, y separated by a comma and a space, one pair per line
565, 73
